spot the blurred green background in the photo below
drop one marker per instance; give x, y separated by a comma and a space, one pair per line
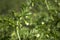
29, 19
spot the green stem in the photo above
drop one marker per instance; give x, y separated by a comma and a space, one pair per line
47, 4
18, 31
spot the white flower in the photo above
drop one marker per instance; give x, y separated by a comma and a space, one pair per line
42, 23
38, 35
26, 16
27, 23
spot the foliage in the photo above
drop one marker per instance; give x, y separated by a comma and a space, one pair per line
29, 19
